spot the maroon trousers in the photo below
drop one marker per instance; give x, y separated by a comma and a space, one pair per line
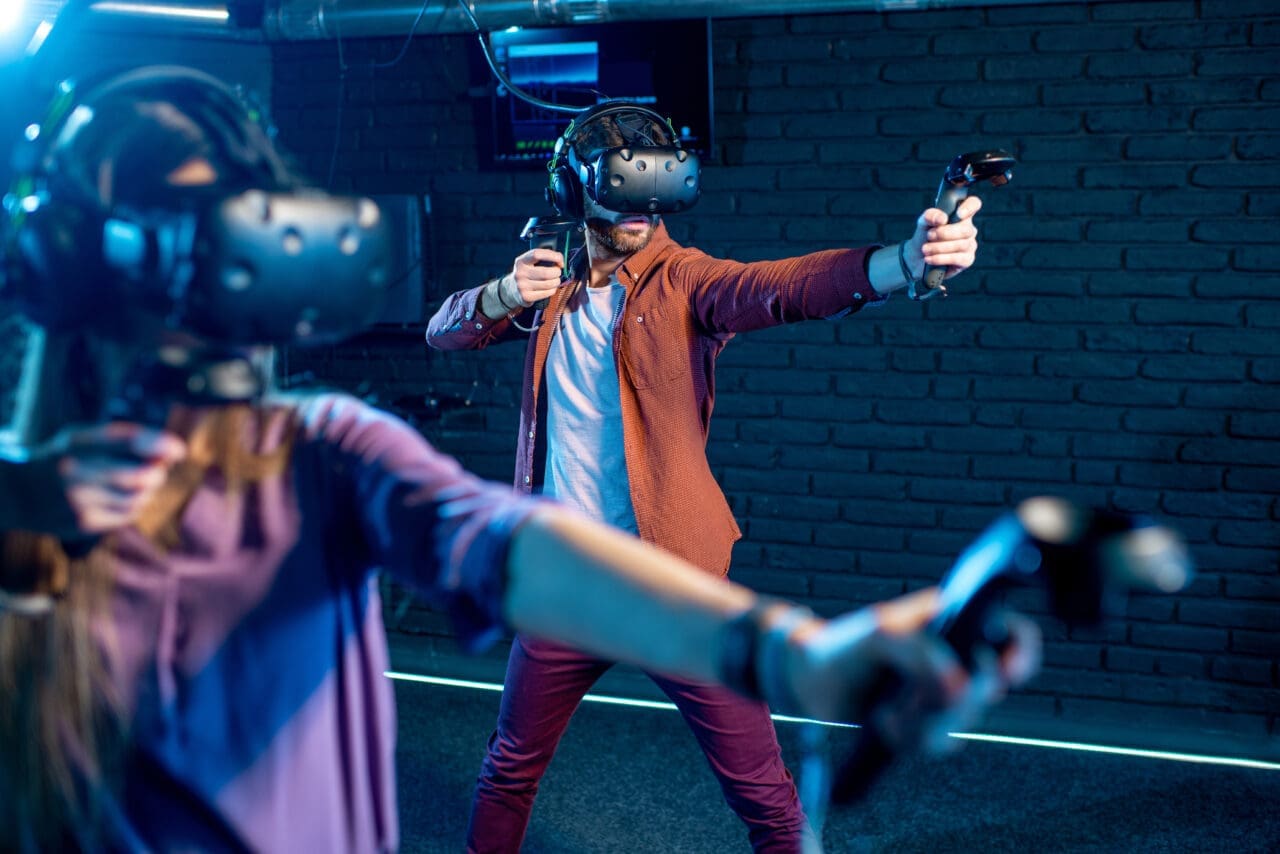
546, 682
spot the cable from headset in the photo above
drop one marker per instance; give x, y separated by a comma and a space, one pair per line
502, 77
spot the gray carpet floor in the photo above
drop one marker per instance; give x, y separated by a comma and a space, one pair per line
632, 780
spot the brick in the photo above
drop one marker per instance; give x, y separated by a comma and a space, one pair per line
980, 440
1234, 615
824, 406
1238, 62
1249, 534
792, 48
1250, 671
1260, 342
1176, 423
1251, 479
1081, 365
993, 41
1004, 95
1241, 174
1094, 473
1027, 338
839, 75
1022, 468
1191, 203
1070, 418
1034, 68
960, 491
855, 591
1235, 396
1031, 121
1258, 146
1260, 643
1154, 65
1180, 637
1266, 33
791, 101
1182, 147
898, 564
1128, 660
1253, 588
1195, 36
1235, 118
924, 124
784, 483
875, 436
1263, 315
1130, 175
859, 537
908, 462
1032, 389
1145, 10
1265, 370
1078, 312
863, 485
1125, 447
1263, 259
1255, 425
920, 412
1187, 313
1216, 505
861, 46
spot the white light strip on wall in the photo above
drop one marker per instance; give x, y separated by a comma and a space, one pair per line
164, 11
968, 736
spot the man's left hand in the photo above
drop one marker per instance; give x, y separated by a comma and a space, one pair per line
939, 243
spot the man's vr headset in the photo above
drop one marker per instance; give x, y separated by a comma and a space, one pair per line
642, 175
230, 248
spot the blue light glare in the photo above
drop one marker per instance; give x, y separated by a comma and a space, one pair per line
1174, 756
10, 14
162, 10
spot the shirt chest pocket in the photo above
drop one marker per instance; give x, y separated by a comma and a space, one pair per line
656, 347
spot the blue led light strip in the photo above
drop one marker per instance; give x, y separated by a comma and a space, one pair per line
967, 736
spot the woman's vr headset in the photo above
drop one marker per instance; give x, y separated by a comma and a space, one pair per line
248, 257
639, 176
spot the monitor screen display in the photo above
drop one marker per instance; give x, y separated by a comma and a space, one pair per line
664, 65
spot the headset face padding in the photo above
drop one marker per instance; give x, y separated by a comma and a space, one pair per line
64, 215
571, 177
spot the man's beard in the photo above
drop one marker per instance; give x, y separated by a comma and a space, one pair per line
618, 240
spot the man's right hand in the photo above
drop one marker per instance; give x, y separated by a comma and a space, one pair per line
536, 275
110, 471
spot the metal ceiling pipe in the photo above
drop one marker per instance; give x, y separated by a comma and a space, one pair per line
296, 20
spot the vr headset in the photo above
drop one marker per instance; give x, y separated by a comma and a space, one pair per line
256, 261
641, 176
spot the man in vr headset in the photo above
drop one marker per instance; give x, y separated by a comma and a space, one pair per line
616, 407
191, 640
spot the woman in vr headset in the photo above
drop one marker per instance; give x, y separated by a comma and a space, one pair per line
615, 419
191, 645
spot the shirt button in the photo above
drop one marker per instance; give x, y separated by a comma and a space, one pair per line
530, 434
639, 318
526, 478
857, 296
479, 325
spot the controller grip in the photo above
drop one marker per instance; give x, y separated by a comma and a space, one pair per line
549, 241
949, 198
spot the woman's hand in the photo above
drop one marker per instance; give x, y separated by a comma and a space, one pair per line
110, 471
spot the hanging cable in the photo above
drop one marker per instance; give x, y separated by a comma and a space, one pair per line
502, 77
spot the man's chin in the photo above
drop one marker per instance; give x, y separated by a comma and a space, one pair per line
622, 239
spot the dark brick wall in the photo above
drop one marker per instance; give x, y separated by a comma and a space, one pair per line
1117, 343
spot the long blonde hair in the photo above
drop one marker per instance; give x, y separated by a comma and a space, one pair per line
62, 724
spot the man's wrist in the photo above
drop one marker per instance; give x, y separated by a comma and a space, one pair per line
885, 270
492, 304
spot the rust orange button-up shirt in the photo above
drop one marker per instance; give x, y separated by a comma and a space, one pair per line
682, 306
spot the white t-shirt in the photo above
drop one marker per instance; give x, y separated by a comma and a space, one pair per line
586, 463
